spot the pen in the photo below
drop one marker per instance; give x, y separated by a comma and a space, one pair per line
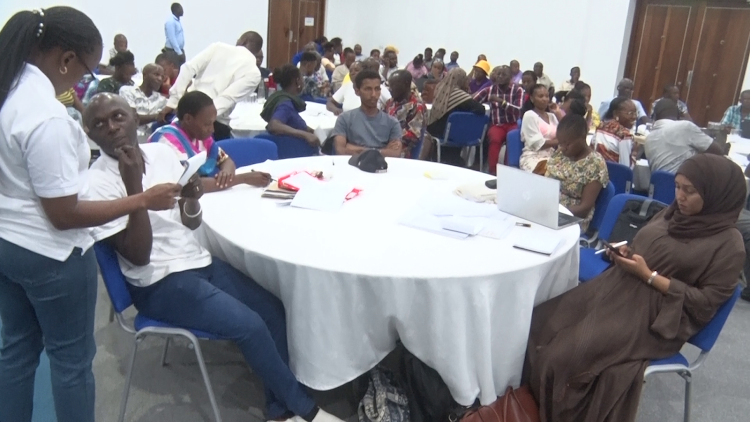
616, 245
523, 225
256, 171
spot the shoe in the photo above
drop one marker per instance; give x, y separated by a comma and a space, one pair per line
324, 416
745, 295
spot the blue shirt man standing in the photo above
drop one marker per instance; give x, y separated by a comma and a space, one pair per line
174, 33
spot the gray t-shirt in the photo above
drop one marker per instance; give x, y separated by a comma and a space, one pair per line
672, 142
365, 131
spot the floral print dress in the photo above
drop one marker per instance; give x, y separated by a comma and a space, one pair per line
574, 176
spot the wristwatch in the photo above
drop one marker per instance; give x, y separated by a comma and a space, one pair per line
651, 279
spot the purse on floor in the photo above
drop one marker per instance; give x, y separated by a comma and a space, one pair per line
514, 406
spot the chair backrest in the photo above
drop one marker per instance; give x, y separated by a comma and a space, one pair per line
514, 148
614, 209
465, 128
109, 266
706, 337
417, 149
662, 186
245, 152
602, 203
289, 146
621, 176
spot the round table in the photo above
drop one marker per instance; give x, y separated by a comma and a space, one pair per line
247, 123
353, 282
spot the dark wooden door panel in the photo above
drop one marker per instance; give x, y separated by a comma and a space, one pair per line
719, 66
308, 9
660, 52
280, 29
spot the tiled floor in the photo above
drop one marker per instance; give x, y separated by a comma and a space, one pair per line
721, 390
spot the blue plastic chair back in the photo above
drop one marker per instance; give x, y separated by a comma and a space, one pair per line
289, 146
249, 151
662, 183
109, 266
602, 203
519, 122
465, 129
706, 337
514, 148
621, 176
418, 147
613, 212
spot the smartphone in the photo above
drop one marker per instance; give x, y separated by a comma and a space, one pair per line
612, 249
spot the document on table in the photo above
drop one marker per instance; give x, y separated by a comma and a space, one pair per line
540, 240
452, 205
321, 196
418, 219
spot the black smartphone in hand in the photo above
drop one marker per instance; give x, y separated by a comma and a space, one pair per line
612, 249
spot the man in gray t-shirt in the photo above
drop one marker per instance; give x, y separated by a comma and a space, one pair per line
673, 141
367, 127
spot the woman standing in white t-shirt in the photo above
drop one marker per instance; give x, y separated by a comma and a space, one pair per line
47, 268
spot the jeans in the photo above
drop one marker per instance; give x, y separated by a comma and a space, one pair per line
47, 304
220, 300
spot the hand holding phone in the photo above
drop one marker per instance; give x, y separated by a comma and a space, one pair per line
615, 249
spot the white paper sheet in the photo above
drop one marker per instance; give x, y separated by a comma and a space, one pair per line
321, 196
418, 219
452, 205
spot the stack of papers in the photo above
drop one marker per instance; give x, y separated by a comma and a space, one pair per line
321, 196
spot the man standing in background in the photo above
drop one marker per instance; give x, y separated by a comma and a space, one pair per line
174, 33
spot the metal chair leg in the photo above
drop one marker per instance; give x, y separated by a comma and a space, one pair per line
481, 157
164, 352
688, 394
129, 378
437, 143
111, 313
204, 372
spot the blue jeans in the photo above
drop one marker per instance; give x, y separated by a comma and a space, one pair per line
220, 300
47, 304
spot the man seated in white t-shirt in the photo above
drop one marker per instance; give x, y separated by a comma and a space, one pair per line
170, 276
346, 98
146, 99
672, 141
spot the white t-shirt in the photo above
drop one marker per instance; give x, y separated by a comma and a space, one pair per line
144, 106
43, 153
670, 143
350, 100
174, 248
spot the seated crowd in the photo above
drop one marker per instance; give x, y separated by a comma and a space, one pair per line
575, 363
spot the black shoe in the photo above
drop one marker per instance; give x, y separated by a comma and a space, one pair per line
745, 295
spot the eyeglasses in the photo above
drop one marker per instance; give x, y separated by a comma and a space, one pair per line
93, 76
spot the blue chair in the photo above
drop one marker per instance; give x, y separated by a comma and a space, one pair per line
249, 151
513, 148
418, 147
621, 175
600, 208
704, 340
289, 146
142, 326
591, 265
464, 130
662, 187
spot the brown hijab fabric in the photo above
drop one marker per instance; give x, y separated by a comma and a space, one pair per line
721, 184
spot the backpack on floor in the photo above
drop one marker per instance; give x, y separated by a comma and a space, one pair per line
384, 400
634, 215
429, 397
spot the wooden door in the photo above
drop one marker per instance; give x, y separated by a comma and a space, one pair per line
699, 45
660, 52
291, 25
714, 79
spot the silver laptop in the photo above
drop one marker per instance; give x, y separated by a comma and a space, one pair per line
531, 197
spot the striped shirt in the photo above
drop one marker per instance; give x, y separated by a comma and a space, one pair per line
507, 111
733, 117
66, 98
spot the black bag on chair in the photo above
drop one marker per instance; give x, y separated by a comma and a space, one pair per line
634, 215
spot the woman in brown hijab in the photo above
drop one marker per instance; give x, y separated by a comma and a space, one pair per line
589, 347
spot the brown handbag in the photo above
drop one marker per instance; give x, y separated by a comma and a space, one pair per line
514, 406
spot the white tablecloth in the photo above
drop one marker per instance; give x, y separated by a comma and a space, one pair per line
355, 281
247, 123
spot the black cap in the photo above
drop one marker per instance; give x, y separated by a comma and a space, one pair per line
371, 161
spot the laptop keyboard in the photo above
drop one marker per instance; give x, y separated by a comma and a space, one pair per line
565, 219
